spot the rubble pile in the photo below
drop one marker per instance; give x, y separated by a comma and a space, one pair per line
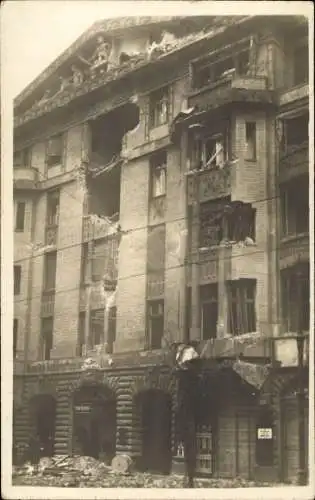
87, 472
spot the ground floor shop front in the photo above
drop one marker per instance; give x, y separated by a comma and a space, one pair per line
241, 431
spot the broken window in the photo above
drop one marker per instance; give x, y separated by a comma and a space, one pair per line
211, 151
295, 133
47, 337
292, 311
81, 334
15, 336
97, 327
17, 279
300, 63
50, 267
158, 174
241, 311
211, 222
221, 65
209, 310
156, 323
159, 107
111, 334
22, 158
54, 150
250, 151
20, 216
53, 200
294, 197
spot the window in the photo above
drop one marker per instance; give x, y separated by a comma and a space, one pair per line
53, 200
22, 158
156, 323
294, 199
111, 334
250, 141
241, 313
156, 248
15, 336
295, 133
209, 310
84, 264
17, 279
47, 337
211, 151
81, 334
158, 174
300, 61
104, 263
292, 311
222, 65
50, 266
214, 226
264, 437
54, 150
20, 216
159, 104
97, 327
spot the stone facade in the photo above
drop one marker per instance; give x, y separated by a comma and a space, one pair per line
126, 372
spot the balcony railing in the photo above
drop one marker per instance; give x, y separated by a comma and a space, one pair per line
294, 162
48, 303
227, 89
209, 184
25, 177
294, 249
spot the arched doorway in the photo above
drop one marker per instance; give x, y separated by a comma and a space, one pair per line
155, 409
43, 416
94, 422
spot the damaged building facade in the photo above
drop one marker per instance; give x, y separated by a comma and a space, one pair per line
161, 197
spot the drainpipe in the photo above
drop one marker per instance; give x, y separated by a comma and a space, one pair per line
29, 293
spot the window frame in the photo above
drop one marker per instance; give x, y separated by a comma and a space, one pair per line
154, 101
20, 217
46, 347
57, 158
158, 163
93, 321
289, 193
17, 279
52, 220
238, 306
253, 139
48, 255
151, 316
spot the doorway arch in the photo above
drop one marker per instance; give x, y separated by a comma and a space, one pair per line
154, 408
94, 422
43, 422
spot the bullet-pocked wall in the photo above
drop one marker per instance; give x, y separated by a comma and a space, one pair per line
132, 263
249, 184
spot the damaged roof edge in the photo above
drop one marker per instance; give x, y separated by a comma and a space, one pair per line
110, 26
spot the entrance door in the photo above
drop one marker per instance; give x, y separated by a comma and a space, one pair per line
44, 407
156, 426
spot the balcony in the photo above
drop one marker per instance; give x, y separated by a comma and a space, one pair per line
295, 94
294, 249
294, 162
25, 177
209, 185
48, 304
235, 88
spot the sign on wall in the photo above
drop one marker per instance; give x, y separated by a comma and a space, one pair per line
264, 433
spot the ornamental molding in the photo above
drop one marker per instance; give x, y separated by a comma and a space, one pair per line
153, 380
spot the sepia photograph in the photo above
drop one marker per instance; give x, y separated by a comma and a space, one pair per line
158, 192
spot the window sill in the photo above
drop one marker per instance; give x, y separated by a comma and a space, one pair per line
293, 237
